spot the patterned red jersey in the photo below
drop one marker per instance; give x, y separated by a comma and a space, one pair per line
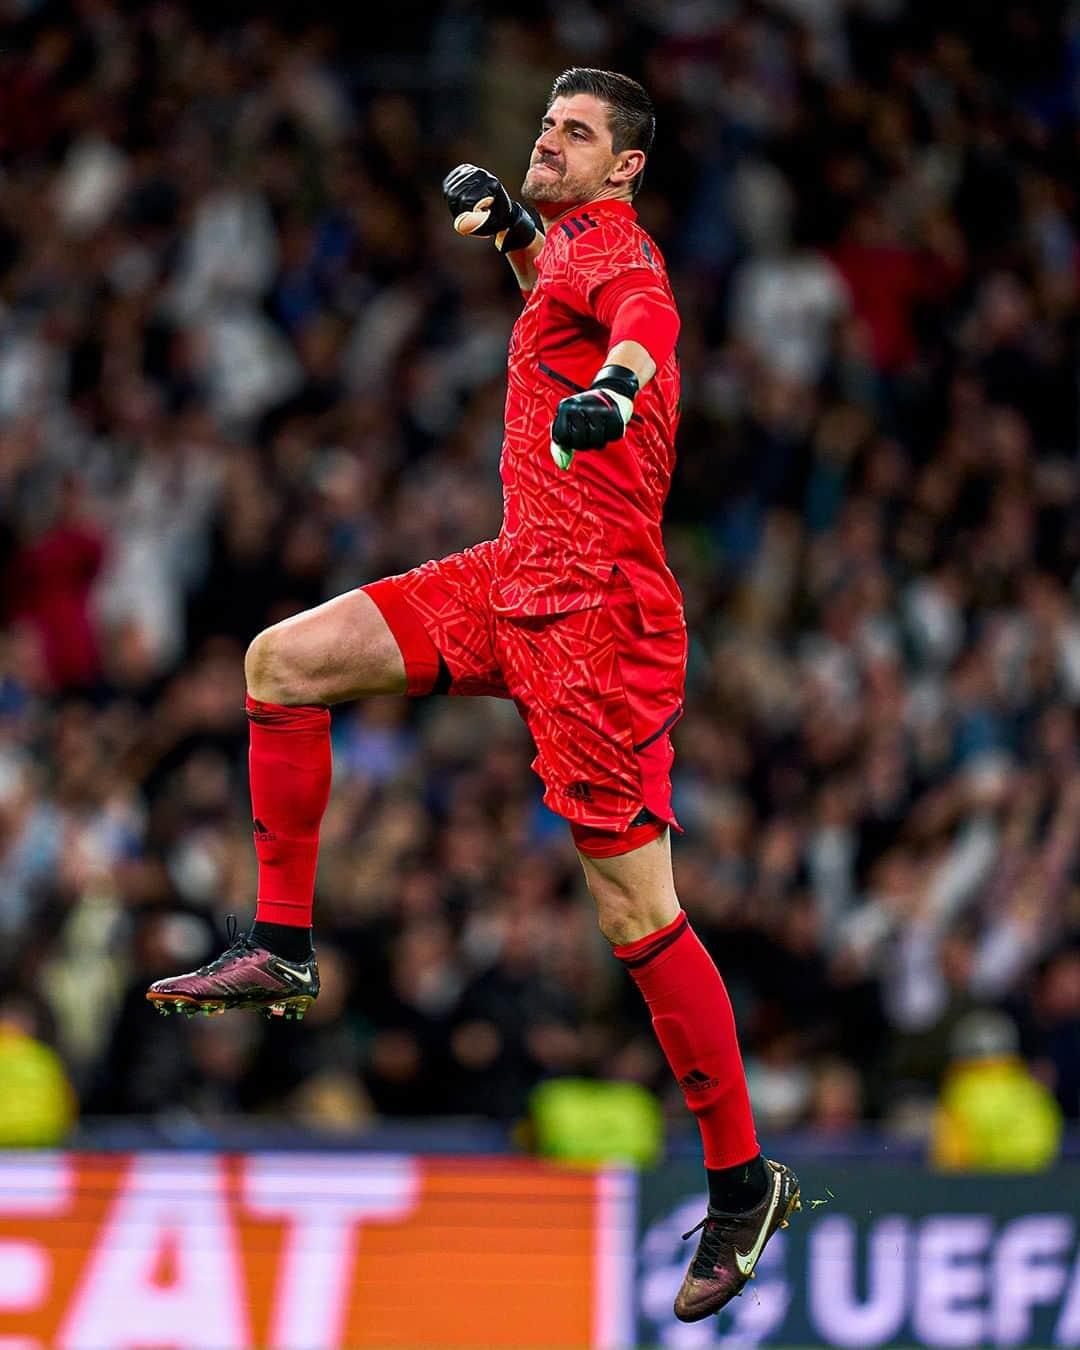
565, 530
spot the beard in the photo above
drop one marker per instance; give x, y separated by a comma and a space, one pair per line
555, 188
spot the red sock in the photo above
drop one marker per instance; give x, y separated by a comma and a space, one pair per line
289, 765
693, 1021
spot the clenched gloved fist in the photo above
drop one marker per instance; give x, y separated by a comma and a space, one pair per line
481, 206
595, 417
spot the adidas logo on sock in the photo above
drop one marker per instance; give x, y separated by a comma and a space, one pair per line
262, 834
696, 1081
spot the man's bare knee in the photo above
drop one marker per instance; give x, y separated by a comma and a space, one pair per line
634, 892
621, 920
336, 652
624, 911
266, 669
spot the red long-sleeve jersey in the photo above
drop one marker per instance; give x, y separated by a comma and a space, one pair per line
564, 531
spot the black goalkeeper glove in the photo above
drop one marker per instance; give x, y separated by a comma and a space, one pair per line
466, 186
595, 417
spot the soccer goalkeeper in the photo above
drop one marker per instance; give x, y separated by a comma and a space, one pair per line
571, 612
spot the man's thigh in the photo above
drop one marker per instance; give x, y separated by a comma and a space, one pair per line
599, 697
440, 616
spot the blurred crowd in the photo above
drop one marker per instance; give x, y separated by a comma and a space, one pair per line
245, 365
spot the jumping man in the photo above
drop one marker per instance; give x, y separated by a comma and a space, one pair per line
571, 612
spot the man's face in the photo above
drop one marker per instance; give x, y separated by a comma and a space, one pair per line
573, 156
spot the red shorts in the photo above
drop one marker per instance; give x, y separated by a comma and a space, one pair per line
598, 695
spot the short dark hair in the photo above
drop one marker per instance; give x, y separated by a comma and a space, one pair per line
631, 118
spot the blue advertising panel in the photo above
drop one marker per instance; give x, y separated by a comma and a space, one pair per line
882, 1255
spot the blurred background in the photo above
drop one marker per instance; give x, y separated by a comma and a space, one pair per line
245, 365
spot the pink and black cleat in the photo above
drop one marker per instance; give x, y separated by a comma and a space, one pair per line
245, 975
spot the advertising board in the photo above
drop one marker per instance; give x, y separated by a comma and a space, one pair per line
311, 1251
882, 1255
307, 1252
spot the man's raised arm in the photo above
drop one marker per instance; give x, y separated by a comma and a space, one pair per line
481, 206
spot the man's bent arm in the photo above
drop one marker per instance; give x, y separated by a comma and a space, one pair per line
644, 324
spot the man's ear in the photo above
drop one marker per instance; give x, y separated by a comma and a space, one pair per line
628, 165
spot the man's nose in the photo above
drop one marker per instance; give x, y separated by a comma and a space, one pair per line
547, 141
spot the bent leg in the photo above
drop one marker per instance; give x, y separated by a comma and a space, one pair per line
421, 632
415, 633
691, 1013
336, 652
